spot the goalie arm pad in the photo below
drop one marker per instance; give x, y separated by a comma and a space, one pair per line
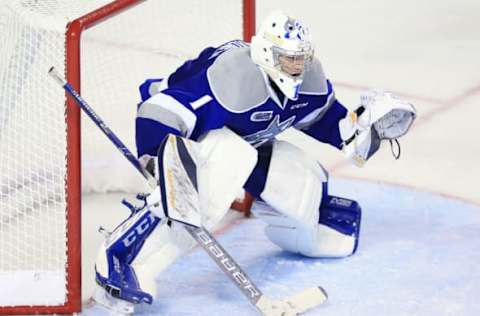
380, 116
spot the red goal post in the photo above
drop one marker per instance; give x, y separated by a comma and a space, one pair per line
22, 97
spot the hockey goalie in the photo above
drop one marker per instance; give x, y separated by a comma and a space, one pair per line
208, 130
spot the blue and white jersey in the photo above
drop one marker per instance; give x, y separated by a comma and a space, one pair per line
223, 87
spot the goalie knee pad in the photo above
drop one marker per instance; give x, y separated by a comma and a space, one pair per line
113, 266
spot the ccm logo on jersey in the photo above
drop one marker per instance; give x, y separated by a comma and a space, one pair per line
228, 264
298, 105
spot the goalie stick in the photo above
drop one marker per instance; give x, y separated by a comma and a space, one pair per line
292, 305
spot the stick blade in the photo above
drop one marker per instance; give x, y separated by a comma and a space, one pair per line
307, 299
293, 305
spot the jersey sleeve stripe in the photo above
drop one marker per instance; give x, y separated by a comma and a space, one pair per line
201, 102
168, 111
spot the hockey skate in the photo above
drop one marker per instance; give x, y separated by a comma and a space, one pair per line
117, 286
114, 305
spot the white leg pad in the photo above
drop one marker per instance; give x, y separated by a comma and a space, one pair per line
293, 190
294, 184
163, 247
321, 242
226, 161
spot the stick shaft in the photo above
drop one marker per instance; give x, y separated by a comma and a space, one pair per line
101, 124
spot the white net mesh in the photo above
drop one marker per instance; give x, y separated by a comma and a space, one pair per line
147, 41
168, 34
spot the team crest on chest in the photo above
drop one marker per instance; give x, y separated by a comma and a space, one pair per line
275, 127
261, 116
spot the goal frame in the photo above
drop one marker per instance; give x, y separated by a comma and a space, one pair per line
73, 177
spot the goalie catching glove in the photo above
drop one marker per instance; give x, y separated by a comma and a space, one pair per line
381, 115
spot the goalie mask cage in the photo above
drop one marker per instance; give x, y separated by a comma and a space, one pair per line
106, 48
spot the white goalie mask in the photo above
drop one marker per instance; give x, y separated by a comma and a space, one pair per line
282, 48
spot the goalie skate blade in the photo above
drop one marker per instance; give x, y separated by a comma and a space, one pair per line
112, 304
294, 305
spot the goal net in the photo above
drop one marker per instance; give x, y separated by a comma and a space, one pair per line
106, 50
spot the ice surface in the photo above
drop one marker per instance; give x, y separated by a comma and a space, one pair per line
419, 252
418, 255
